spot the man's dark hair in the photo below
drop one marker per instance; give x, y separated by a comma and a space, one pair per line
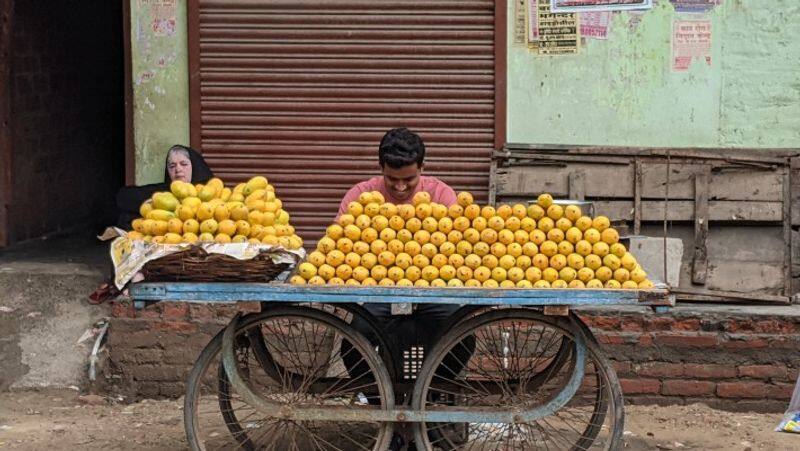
401, 147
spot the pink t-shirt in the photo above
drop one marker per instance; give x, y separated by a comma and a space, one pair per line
440, 192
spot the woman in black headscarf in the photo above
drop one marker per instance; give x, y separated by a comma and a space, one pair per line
182, 163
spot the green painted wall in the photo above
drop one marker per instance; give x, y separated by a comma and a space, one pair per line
160, 74
622, 91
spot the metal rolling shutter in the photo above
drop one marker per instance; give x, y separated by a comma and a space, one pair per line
302, 91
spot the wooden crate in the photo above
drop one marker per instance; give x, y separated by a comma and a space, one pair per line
731, 208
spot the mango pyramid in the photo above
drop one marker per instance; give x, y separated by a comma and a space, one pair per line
543, 245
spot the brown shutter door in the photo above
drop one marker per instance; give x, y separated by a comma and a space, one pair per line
302, 92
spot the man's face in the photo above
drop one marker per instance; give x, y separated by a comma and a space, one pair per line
401, 182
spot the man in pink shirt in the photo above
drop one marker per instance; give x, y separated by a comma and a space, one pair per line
401, 155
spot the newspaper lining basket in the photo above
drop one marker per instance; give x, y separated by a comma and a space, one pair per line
196, 265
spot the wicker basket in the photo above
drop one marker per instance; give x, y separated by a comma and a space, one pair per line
196, 265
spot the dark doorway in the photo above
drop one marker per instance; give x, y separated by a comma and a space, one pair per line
66, 85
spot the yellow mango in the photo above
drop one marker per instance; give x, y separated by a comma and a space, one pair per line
225, 194
254, 184
205, 211
185, 212
165, 201
146, 207
207, 193
160, 215
216, 183
160, 228
134, 235
148, 226
227, 227
254, 205
179, 189
238, 189
172, 238
192, 191
137, 225
191, 201
191, 226
255, 195
209, 226
175, 226
221, 213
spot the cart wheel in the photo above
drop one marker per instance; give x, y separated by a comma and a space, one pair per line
519, 360
301, 341
347, 313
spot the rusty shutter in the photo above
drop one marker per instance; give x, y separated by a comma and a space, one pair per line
302, 91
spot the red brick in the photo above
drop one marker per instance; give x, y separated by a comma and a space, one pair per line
709, 371
738, 325
637, 386
177, 326
687, 388
790, 342
773, 327
740, 341
610, 339
659, 369
780, 391
604, 322
248, 307
687, 325
152, 311
122, 310
658, 323
201, 312
621, 368
645, 340
631, 325
763, 371
687, 340
741, 389
175, 310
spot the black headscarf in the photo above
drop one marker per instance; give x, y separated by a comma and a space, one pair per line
130, 198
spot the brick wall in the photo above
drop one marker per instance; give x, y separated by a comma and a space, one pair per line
67, 99
730, 361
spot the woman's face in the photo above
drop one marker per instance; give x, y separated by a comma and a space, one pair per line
179, 167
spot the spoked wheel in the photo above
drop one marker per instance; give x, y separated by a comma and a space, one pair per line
301, 341
547, 384
347, 313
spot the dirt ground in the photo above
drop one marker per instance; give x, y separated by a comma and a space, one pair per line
60, 419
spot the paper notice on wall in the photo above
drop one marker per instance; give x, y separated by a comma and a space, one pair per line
162, 14
694, 6
519, 21
532, 24
599, 5
595, 24
691, 39
558, 34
